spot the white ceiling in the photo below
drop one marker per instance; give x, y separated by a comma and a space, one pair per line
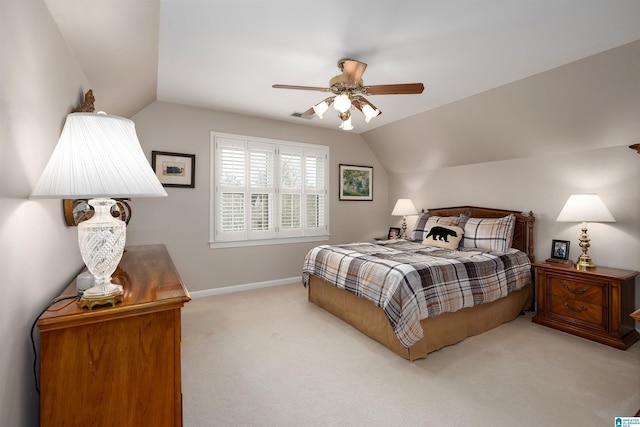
226, 54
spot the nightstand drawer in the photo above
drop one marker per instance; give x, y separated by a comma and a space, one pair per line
580, 310
580, 291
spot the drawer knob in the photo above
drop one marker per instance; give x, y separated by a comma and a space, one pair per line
575, 291
577, 310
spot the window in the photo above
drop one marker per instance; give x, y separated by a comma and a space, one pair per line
267, 191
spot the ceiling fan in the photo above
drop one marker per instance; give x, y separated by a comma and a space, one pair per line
348, 91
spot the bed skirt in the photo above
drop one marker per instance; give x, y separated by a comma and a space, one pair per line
446, 329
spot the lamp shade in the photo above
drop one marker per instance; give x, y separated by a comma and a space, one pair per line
369, 112
585, 208
98, 155
321, 108
342, 103
404, 207
346, 124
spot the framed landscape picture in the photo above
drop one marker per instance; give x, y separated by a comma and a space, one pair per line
174, 169
356, 182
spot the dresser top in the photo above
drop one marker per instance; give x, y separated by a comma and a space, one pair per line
150, 282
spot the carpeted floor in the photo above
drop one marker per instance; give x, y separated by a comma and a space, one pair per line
269, 358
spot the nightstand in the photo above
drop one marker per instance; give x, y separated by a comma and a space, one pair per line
593, 304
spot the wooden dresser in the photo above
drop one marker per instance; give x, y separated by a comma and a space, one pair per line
116, 366
592, 304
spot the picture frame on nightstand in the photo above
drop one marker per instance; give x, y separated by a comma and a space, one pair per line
560, 249
394, 233
560, 252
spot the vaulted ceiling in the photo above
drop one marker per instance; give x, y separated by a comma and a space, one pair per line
226, 54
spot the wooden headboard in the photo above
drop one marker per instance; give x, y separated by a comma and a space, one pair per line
522, 234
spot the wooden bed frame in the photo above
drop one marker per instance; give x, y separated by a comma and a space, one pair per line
448, 328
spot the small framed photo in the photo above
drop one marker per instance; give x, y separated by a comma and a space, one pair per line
174, 169
356, 182
560, 249
394, 233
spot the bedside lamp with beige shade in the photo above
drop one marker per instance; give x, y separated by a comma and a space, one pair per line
403, 208
585, 208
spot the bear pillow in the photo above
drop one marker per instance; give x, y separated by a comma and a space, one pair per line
444, 236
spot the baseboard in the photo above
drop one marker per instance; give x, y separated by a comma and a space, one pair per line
245, 287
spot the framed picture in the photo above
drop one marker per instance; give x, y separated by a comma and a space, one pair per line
560, 249
174, 169
394, 233
356, 182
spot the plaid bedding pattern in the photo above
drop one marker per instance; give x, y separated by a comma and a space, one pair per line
410, 281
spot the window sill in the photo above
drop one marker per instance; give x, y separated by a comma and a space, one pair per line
245, 243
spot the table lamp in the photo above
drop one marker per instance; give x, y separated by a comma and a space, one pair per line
403, 208
98, 156
585, 208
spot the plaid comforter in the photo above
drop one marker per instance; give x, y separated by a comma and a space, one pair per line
410, 281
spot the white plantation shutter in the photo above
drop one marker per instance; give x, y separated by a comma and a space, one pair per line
267, 190
231, 189
232, 208
290, 191
262, 190
315, 191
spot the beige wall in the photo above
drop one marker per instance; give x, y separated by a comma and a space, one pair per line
181, 221
542, 184
40, 82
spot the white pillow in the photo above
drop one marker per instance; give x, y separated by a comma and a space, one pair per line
444, 236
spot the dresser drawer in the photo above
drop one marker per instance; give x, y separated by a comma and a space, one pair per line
579, 310
574, 290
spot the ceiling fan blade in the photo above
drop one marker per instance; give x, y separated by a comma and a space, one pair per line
321, 89
310, 112
398, 89
352, 71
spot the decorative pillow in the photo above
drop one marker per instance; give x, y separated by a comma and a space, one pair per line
444, 236
426, 221
420, 229
494, 234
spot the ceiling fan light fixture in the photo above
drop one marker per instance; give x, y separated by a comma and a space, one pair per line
348, 90
369, 112
321, 108
342, 103
345, 118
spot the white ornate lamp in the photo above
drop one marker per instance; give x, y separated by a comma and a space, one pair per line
403, 208
99, 157
585, 208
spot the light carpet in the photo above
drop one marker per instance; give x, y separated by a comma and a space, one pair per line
268, 357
